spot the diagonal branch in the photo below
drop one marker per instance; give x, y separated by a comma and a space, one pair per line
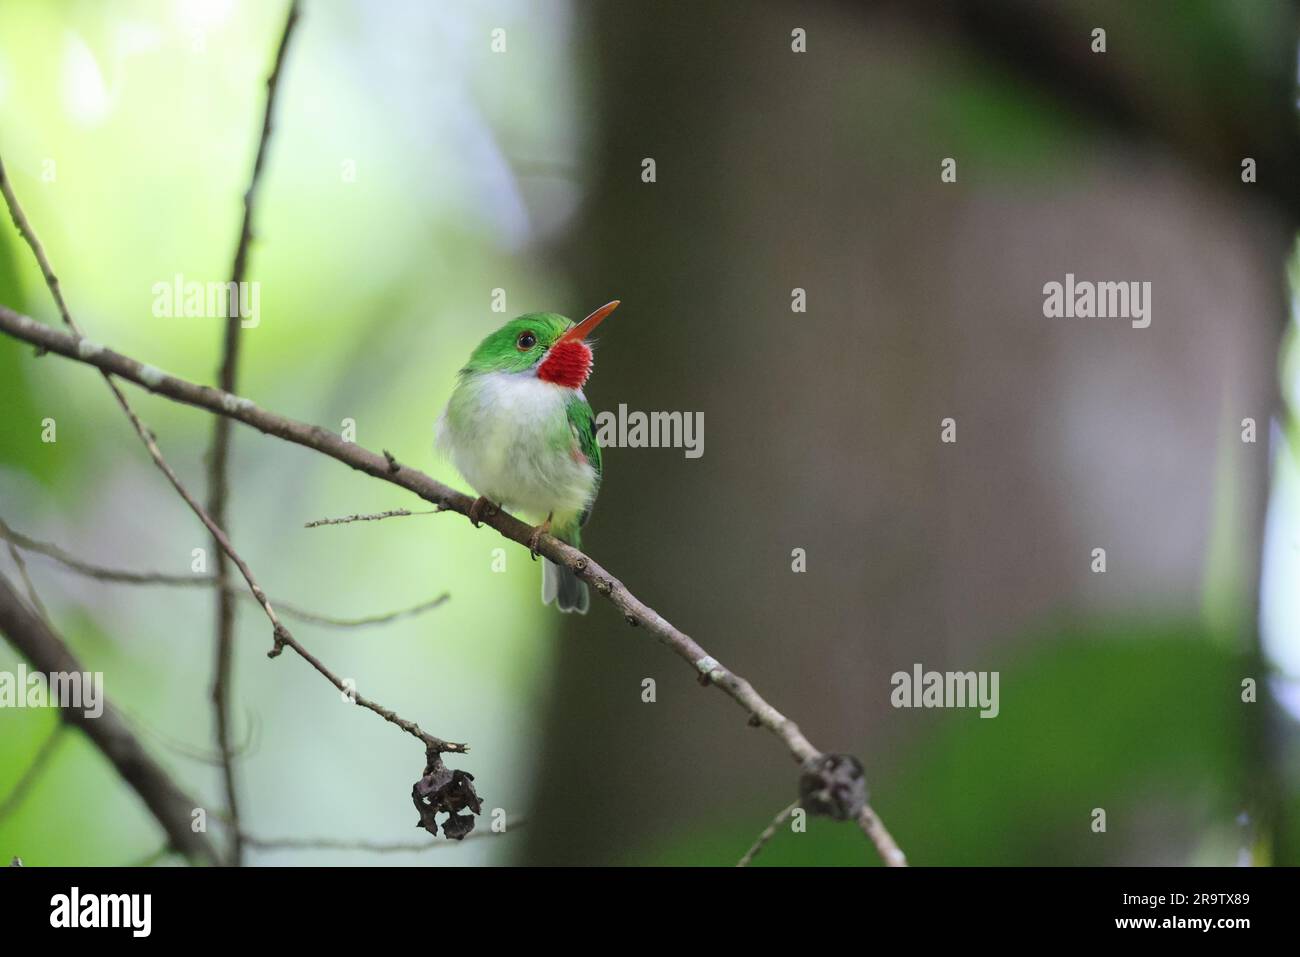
635, 612
21, 564
219, 459
170, 806
769, 832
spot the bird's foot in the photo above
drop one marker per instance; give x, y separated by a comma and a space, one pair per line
535, 539
481, 509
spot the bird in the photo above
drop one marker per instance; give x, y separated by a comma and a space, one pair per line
520, 430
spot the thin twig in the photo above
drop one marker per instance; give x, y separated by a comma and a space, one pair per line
634, 611
377, 516
375, 847
42, 759
386, 618
769, 832
192, 752
32, 595
102, 573
17, 540
875, 829
25, 230
144, 729
219, 456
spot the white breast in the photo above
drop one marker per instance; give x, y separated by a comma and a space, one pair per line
502, 438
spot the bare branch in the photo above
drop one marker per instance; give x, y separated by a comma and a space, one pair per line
32, 596
385, 619
875, 829
769, 832
180, 748
634, 611
219, 456
374, 847
378, 516
170, 806
100, 572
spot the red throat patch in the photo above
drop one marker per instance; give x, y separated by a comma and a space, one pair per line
567, 364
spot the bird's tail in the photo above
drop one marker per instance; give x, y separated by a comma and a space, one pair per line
562, 586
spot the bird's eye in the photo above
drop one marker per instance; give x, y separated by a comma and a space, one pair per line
526, 341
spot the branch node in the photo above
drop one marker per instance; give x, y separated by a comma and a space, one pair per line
280, 637
834, 786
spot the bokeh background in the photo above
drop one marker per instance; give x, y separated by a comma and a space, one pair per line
414, 170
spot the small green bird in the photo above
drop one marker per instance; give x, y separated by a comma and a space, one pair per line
521, 432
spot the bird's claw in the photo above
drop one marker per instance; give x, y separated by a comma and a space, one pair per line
535, 539
482, 507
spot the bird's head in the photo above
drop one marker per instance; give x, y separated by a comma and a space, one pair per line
543, 344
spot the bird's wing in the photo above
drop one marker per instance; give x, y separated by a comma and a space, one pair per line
582, 423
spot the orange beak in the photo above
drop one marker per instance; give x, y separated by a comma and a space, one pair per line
588, 325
